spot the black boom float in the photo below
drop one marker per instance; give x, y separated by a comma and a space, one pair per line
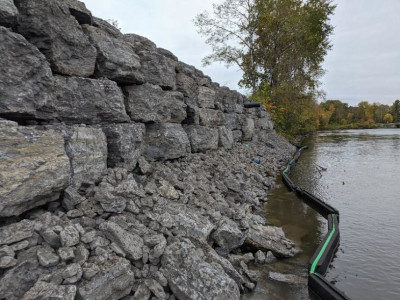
323, 256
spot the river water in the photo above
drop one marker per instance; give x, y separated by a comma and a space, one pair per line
361, 178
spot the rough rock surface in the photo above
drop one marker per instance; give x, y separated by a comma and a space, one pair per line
82, 100
135, 183
190, 277
116, 59
25, 79
8, 13
149, 103
35, 157
50, 26
125, 144
165, 141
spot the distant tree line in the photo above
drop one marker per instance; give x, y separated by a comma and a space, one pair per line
336, 114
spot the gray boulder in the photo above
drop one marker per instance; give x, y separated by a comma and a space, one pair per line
116, 59
114, 280
49, 25
130, 243
47, 257
211, 117
165, 141
287, 278
69, 236
191, 277
25, 79
225, 138
34, 169
125, 144
16, 232
79, 11
206, 97
228, 235
231, 101
8, 13
87, 150
248, 129
158, 69
186, 85
45, 290
202, 138
149, 103
140, 43
89, 101
264, 238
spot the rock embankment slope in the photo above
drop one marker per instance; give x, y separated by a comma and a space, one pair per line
124, 173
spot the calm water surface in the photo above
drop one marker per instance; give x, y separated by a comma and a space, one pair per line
362, 180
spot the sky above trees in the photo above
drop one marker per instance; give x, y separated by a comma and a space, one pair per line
364, 63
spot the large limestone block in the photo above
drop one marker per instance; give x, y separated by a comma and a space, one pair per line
186, 85
50, 26
125, 144
225, 138
149, 103
165, 141
87, 150
140, 43
270, 238
113, 281
25, 79
8, 13
202, 138
34, 168
206, 97
248, 129
89, 101
116, 59
231, 101
45, 290
158, 69
211, 117
191, 277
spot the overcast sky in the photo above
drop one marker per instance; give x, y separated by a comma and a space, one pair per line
364, 63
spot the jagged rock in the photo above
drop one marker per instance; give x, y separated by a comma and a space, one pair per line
50, 26
287, 278
190, 277
192, 111
7, 262
231, 101
228, 235
142, 293
47, 257
16, 232
248, 130
155, 288
34, 169
79, 11
25, 78
71, 198
260, 257
6, 251
237, 135
149, 103
186, 85
167, 190
144, 166
167, 53
52, 238
66, 253
130, 243
69, 236
140, 43
158, 69
72, 273
8, 13
113, 281
271, 238
81, 254
264, 123
45, 290
225, 138
87, 150
202, 138
90, 270
211, 117
165, 141
206, 97
125, 144
89, 101
116, 59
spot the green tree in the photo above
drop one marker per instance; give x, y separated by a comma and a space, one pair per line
395, 109
388, 118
